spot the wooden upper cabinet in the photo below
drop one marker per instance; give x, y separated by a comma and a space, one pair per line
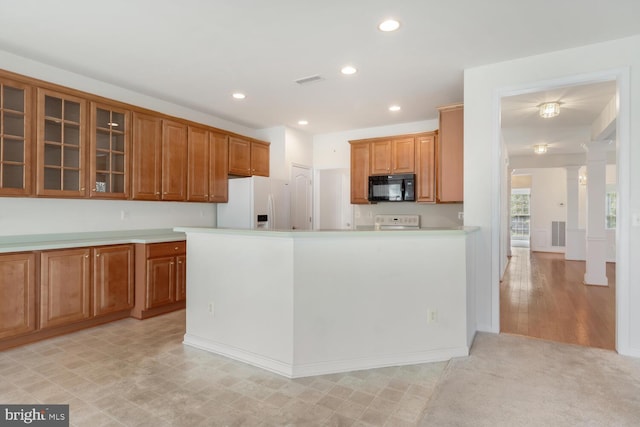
174, 161
380, 157
218, 167
18, 290
259, 158
403, 155
392, 156
207, 166
239, 156
147, 157
425, 167
112, 279
64, 286
247, 157
359, 172
109, 152
61, 148
450, 154
15, 138
198, 165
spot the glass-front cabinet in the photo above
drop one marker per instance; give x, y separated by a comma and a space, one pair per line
15, 138
109, 177
61, 144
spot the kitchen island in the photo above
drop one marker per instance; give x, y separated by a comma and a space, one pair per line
303, 303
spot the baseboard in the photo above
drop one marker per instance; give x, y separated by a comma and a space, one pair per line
632, 352
348, 365
327, 367
267, 363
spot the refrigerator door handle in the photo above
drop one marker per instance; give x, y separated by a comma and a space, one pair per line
270, 212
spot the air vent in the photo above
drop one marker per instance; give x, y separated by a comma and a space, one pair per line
309, 80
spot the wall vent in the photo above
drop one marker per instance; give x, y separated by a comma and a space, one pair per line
558, 233
309, 80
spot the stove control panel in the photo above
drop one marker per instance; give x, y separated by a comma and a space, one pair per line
397, 221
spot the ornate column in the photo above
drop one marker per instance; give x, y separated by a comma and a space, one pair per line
575, 243
596, 268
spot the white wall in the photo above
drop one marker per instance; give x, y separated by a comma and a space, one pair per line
484, 86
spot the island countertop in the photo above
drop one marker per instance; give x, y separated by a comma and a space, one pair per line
431, 231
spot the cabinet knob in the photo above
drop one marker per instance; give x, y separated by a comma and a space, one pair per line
166, 192
171, 263
97, 255
86, 256
176, 248
158, 193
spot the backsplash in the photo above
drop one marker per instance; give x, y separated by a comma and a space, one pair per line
431, 215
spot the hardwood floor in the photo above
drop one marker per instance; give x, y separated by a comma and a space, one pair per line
542, 296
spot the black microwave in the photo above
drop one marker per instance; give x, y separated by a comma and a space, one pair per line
392, 188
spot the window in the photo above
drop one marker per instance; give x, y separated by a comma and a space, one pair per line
610, 206
520, 213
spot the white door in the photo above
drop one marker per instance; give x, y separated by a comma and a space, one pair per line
335, 210
301, 197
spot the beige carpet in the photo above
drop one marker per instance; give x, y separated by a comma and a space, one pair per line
515, 381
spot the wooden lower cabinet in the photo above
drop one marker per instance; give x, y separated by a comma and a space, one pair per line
64, 286
160, 279
17, 294
112, 279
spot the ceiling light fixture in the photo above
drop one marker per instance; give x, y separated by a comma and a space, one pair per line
303, 122
549, 109
540, 148
389, 25
348, 70
394, 108
239, 95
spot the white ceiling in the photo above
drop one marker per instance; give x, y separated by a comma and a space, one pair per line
580, 105
196, 52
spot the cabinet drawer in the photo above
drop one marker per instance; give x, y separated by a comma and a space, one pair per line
166, 249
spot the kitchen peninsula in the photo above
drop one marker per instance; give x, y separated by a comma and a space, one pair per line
303, 303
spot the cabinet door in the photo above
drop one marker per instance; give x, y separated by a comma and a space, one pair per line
198, 162
181, 277
403, 155
259, 158
425, 168
360, 173
380, 157
15, 139
219, 167
147, 157
64, 286
239, 156
451, 155
61, 145
161, 273
17, 294
174, 161
109, 152
112, 279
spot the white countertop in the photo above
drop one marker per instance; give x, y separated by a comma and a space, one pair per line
422, 232
35, 242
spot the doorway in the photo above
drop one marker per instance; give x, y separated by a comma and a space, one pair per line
301, 198
542, 294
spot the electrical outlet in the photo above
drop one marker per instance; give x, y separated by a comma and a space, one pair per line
124, 214
432, 316
211, 309
461, 216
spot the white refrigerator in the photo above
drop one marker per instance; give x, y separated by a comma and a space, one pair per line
256, 202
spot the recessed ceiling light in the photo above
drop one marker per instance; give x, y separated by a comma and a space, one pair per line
348, 70
239, 95
540, 148
394, 108
303, 122
389, 25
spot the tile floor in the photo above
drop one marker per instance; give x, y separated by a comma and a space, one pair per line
138, 373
